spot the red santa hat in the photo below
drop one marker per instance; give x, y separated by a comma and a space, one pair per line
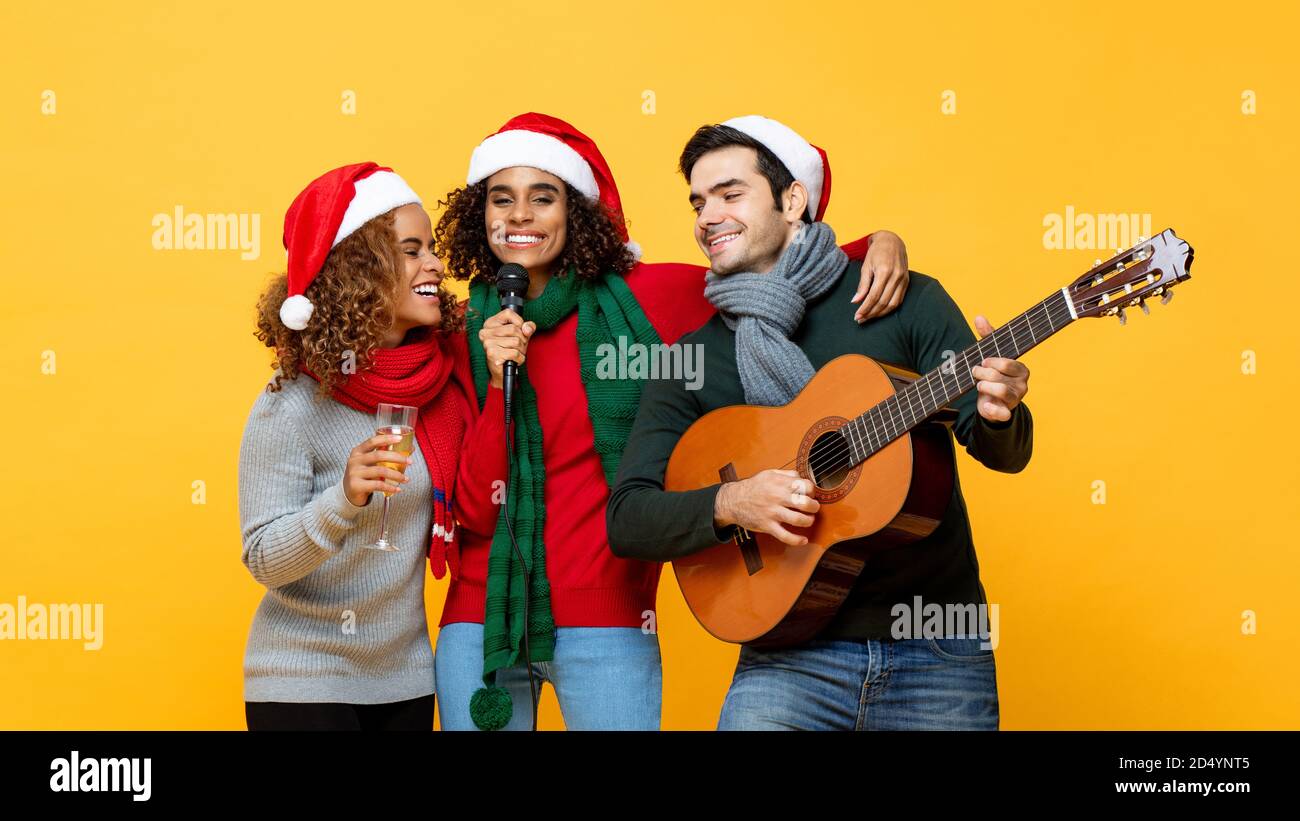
327, 211
805, 161
551, 145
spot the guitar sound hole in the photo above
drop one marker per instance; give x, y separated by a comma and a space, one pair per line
828, 460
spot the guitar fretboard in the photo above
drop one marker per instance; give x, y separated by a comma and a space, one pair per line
914, 404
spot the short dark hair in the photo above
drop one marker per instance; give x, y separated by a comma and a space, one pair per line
714, 137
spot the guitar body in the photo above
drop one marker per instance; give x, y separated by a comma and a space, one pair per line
759, 591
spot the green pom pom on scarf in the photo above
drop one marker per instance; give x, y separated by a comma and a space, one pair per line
490, 707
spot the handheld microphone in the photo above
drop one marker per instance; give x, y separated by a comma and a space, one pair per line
512, 285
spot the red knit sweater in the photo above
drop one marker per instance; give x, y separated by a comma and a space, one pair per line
590, 586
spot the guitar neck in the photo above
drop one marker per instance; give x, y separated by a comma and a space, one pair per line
917, 402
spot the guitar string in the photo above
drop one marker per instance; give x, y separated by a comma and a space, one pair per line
1024, 317
838, 461
1054, 316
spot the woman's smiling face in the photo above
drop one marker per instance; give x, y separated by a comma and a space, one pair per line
526, 217
420, 271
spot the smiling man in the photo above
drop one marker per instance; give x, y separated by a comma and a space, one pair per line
776, 279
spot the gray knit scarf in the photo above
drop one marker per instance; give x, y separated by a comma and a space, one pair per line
764, 309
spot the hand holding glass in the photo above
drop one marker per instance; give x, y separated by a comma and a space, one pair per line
394, 420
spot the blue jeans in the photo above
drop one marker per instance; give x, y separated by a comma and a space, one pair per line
911, 684
605, 678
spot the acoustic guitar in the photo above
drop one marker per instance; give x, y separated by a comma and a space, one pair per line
872, 440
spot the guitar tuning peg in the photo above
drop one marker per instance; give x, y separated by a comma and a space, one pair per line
1096, 262
1146, 309
1164, 300
1142, 239
1123, 320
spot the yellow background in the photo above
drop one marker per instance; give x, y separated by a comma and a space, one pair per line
1126, 614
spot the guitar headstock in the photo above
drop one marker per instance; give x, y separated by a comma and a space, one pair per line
1150, 268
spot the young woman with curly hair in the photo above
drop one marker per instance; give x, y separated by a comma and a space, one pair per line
340, 639
540, 194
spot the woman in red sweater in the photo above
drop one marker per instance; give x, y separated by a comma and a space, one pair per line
540, 194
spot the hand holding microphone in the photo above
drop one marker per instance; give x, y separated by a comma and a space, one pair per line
511, 334
505, 342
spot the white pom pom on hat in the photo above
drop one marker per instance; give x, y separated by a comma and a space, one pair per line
295, 311
326, 212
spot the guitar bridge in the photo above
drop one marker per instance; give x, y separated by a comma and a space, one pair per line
743, 538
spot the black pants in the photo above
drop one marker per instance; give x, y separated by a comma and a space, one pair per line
415, 714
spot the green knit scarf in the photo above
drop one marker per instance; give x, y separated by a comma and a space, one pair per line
607, 311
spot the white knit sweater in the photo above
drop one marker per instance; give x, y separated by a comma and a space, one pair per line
339, 622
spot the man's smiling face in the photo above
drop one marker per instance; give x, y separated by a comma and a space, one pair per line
738, 224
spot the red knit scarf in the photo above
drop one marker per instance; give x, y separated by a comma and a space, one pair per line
432, 374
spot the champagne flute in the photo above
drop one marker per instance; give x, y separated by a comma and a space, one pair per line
394, 420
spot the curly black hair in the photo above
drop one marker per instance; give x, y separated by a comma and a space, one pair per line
594, 245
